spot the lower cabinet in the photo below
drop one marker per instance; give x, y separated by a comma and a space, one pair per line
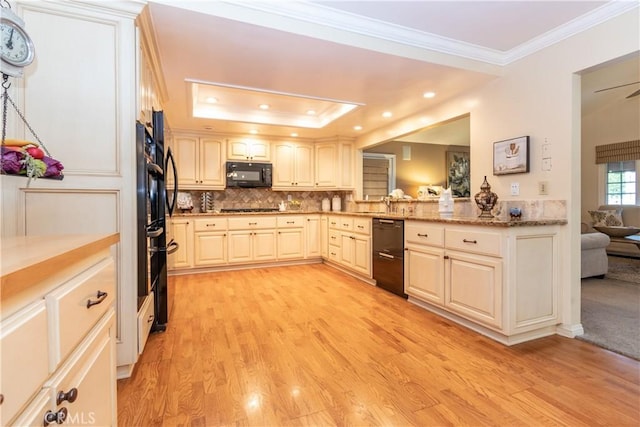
210, 248
182, 230
503, 279
349, 243
313, 237
251, 246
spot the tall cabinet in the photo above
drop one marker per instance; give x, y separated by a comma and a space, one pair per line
85, 114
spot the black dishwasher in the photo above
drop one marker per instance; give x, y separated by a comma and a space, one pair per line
388, 255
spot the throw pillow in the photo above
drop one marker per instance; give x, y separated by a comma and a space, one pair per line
606, 218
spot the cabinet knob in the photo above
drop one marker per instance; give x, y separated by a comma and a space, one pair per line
55, 417
69, 396
446, 257
101, 296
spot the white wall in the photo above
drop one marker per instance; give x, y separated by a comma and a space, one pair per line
539, 96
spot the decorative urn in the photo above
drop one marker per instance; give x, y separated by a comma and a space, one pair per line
486, 199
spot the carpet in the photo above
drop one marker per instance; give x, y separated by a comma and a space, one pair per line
611, 309
625, 269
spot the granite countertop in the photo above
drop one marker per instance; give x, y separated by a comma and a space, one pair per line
466, 220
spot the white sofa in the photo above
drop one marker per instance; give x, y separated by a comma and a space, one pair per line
593, 255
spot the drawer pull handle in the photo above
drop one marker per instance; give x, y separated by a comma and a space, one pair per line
101, 297
253, 223
55, 417
69, 396
1, 398
470, 241
211, 225
291, 222
423, 235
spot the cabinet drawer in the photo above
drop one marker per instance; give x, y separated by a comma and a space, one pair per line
335, 253
288, 221
424, 234
334, 222
78, 305
25, 367
145, 321
480, 242
210, 224
362, 225
334, 237
248, 222
345, 223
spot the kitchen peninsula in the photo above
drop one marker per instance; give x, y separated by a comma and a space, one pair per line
497, 276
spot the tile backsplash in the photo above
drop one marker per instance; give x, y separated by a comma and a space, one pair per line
265, 198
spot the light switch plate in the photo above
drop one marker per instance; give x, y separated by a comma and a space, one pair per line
543, 188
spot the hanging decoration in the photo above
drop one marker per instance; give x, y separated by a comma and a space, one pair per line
20, 157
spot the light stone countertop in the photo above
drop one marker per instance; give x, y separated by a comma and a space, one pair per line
466, 220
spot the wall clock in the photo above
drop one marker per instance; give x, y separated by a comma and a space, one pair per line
16, 47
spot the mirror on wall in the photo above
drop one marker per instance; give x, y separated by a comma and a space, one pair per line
432, 158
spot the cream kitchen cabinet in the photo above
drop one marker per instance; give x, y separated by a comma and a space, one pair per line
327, 166
500, 281
199, 161
252, 239
292, 165
57, 336
291, 237
210, 241
350, 243
249, 149
313, 239
182, 230
324, 236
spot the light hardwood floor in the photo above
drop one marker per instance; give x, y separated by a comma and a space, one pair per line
309, 345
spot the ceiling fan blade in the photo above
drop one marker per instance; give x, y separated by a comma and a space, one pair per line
616, 87
636, 93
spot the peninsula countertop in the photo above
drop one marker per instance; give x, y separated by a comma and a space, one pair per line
463, 220
28, 260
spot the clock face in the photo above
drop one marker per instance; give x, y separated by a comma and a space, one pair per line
16, 47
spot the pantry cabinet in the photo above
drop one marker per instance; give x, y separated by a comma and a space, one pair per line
199, 162
248, 149
292, 165
501, 281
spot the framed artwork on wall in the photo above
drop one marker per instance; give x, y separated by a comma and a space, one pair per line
511, 156
459, 173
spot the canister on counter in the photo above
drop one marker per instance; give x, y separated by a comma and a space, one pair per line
326, 205
336, 204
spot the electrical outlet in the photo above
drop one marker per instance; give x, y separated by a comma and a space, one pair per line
515, 188
289, 198
543, 188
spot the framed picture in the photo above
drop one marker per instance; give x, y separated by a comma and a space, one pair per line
459, 173
511, 156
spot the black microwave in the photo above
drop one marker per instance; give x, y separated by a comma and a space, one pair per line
249, 175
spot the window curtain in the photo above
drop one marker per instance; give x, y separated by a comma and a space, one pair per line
618, 152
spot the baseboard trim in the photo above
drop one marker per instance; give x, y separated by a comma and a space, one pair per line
570, 331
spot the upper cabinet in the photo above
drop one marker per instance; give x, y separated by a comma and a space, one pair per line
199, 162
334, 164
292, 165
248, 149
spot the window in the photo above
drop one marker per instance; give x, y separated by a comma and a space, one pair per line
621, 181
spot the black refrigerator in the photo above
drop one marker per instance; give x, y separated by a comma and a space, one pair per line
155, 203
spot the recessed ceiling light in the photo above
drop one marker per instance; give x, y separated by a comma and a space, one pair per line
264, 106
358, 127
294, 135
387, 114
253, 131
311, 112
211, 100
429, 94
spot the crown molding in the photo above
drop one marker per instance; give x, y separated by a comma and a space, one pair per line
344, 21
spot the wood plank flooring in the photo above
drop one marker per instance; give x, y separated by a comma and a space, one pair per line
309, 345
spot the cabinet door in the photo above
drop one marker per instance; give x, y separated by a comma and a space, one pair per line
210, 248
347, 168
303, 166
91, 371
260, 151
313, 240
264, 245
346, 249
291, 243
361, 261
327, 167
424, 274
283, 160
248, 149
183, 235
474, 287
187, 160
324, 237
211, 162
240, 246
